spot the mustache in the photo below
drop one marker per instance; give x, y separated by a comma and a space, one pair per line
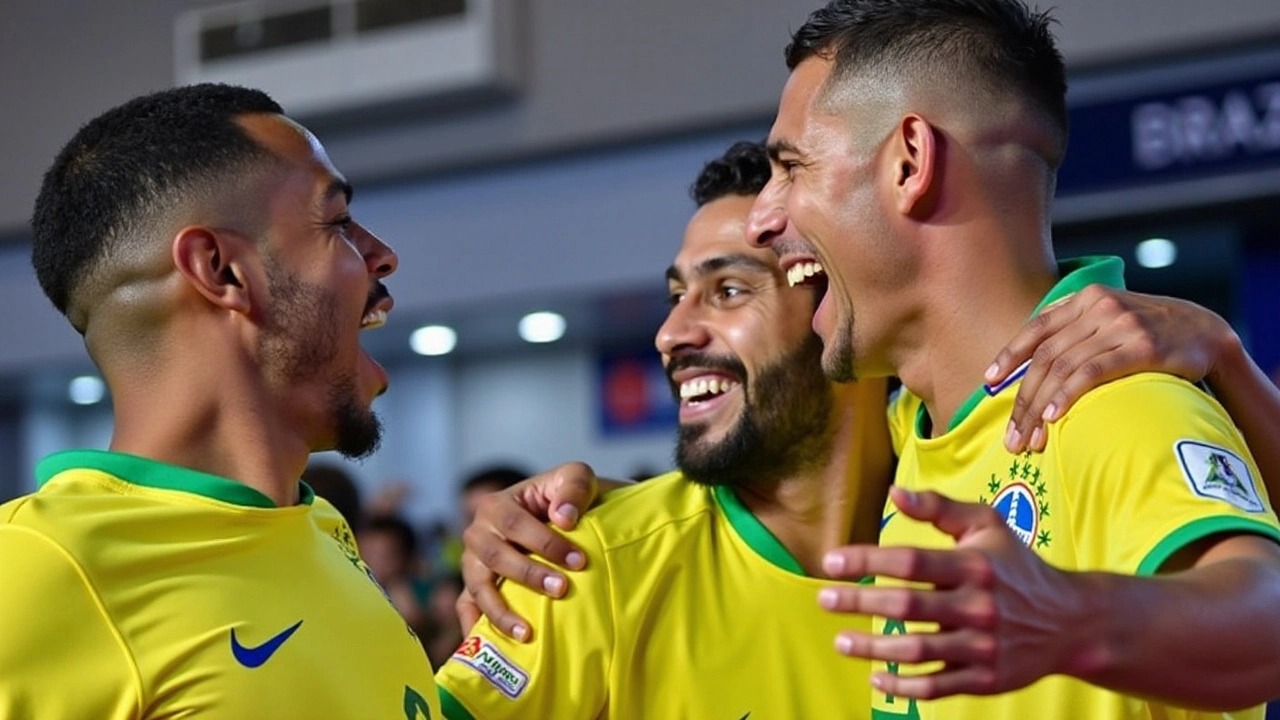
377, 294
786, 246
724, 363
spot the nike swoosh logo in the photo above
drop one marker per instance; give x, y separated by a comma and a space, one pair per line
744, 717
885, 520
252, 657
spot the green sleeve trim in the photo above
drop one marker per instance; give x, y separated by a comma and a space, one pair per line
163, 476
449, 705
1198, 529
754, 533
1076, 274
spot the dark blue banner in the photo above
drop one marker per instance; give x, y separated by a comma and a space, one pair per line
1198, 132
633, 394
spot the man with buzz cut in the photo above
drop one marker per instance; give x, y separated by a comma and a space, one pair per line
1131, 569
203, 245
700, 600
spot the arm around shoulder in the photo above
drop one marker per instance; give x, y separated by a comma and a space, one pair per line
561, 672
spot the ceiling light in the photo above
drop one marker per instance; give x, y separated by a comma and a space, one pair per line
433, 340
87, 390
1156, 253
542, 327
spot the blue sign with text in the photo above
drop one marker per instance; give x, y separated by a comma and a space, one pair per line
1199, 132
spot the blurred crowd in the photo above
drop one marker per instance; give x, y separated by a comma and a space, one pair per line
418, 568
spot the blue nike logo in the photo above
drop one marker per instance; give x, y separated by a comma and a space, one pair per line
885, 520
252, 657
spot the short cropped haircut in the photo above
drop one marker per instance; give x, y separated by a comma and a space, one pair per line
742, 170
126, 168
1002, 43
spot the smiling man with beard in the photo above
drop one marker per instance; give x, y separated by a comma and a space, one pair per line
694, 604
203, 245
700, 603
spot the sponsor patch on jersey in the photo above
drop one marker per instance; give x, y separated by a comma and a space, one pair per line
1216, 472
493, 666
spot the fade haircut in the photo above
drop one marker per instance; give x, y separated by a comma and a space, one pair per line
1002, 44
742, 170
124, 170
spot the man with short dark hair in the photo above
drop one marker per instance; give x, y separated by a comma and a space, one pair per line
202, 242
693, 570
915, 152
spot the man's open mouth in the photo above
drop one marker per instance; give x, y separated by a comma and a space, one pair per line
805, 272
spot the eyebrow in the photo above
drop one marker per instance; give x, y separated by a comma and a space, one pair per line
339, 186
776, 148
723, 262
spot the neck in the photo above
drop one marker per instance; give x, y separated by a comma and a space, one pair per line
977, 302
838, 502
214, 427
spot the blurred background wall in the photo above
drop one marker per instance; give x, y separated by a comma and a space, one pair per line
558, 183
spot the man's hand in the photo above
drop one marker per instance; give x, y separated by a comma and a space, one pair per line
512, 519
1005, 617
1098, 335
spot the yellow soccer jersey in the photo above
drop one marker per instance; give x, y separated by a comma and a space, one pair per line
131, 589
689, 609
1134, 471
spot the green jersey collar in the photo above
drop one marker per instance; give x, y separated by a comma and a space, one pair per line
1076, 273
753, 532
154, 474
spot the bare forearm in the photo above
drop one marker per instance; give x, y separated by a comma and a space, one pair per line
1253, 402
1208, 638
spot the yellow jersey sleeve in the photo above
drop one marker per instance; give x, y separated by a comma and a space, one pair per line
1156, 464
562, 672
60, 656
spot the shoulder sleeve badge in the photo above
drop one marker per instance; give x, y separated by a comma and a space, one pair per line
1216, 472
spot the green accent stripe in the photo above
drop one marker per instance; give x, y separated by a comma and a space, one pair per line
1076, 274
163, 476
1199, 529
450, 706
754, 533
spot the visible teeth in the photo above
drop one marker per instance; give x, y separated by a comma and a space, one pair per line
374, 319
705, 386
799, 272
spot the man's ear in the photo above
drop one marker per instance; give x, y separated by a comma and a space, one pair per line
212, 264
916, 157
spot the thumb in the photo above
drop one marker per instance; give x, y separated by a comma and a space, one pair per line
574, 488
952, 517
468, 612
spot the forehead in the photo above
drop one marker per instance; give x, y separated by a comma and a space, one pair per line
800, 111
302, 156
719, 229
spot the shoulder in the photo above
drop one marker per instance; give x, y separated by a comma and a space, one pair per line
1147, 405
662, 504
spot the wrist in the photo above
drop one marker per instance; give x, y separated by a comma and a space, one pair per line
1229, 358
1094, 640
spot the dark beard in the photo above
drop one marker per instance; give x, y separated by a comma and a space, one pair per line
783, 429
300, 343
359, 430
839, 368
